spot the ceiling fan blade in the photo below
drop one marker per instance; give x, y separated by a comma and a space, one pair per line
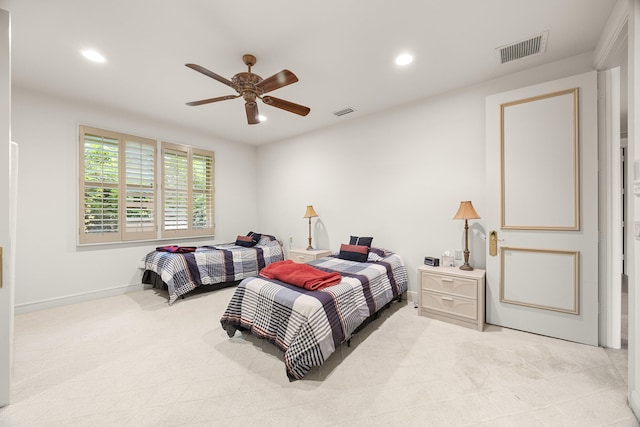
252, 113
278, 80
286, 105
210, 100
211, 74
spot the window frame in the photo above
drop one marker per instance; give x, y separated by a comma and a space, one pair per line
143, 233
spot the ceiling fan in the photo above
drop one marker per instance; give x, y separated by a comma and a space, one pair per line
251, 86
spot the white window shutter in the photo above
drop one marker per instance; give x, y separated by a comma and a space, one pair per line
202, 191
99, 187
140, 194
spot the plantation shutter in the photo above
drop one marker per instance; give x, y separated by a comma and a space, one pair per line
202, 191
140, 198
117, 187
187, 194
119, 181
99, 186
176, 190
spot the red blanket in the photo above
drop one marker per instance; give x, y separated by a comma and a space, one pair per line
301, 275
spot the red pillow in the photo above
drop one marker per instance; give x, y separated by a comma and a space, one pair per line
356, 253
245, 241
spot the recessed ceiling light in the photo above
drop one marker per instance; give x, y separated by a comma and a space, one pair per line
92, 55
404, 59
262, 118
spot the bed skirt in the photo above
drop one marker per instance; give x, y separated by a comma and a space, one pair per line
152, 278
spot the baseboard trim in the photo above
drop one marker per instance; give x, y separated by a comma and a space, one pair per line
413, 297
75, 298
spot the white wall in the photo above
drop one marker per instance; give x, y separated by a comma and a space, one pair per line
398, 176
51, 268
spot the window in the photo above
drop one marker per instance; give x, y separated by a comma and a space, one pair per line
187, 195
119, 196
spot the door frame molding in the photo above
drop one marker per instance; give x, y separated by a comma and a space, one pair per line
623, 27
610, 208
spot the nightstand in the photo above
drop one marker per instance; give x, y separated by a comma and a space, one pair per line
302, 256
452, 295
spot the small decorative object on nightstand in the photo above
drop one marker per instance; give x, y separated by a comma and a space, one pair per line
302, 256
452, 295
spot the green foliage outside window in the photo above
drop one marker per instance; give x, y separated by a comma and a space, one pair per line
101, 181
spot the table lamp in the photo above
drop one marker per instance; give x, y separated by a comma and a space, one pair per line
310, 213
466, 212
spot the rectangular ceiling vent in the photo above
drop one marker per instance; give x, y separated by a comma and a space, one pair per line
344, 111
531, 46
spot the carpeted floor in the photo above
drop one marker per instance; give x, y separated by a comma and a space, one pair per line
132, 360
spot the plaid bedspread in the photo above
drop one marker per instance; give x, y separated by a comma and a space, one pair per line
183, 272
309, 325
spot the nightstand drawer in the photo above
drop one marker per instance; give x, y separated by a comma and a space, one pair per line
450, 304
450, 284
301, 258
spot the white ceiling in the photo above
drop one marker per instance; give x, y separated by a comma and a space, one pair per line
342, 52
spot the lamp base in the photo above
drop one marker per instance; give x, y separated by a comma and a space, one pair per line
466, 267
309, 247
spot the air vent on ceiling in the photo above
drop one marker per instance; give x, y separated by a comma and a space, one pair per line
344, 111
523, 48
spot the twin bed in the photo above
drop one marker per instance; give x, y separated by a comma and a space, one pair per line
182, 269
307, 325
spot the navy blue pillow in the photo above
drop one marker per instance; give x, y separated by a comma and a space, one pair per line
360, 241
254, 236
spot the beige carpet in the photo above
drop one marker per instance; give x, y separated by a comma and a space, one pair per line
132, 360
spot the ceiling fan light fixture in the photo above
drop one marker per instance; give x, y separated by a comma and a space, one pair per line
93, 55
262, 118
404, 59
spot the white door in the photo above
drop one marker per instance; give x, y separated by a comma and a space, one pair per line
542, 204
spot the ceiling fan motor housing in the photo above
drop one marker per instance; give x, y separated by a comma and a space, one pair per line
247, 82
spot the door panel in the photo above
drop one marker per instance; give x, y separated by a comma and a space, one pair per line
523, 282
542, 201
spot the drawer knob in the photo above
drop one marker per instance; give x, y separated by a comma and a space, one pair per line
446, 298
